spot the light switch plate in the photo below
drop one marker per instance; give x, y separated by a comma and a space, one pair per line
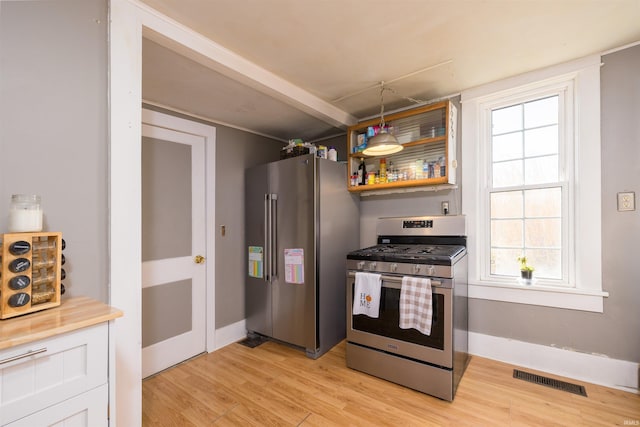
627, 201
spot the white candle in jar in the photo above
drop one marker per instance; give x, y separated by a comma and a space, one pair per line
25, 214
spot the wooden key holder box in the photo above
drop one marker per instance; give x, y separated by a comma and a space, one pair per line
31, 272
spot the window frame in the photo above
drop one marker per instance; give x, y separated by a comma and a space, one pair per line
579, 81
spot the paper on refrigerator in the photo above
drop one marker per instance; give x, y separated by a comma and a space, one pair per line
294, 266
256, 262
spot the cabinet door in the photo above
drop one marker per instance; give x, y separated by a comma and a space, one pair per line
86, 410
43, 373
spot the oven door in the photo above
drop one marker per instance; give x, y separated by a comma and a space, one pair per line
383, 333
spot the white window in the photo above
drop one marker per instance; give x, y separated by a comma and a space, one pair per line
527, 187
531, 186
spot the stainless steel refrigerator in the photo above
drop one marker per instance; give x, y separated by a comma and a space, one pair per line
300, 224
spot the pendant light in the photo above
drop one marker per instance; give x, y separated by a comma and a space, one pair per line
383, 143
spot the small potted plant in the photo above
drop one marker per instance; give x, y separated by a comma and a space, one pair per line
526, 271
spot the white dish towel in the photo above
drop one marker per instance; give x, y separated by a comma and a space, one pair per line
366, 294
416, 305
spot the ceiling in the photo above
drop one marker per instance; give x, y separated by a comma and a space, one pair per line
336, 52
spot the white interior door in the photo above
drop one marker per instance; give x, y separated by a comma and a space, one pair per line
173, 246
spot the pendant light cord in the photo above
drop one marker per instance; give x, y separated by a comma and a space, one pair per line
382, 106
408, 98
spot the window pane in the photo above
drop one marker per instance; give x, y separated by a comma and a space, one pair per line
504, 262
506, 233
541, 170
541, 141
546, 262
507, 174
507, 146
507, 204
506, 119
545, 202
542, 233
541, 112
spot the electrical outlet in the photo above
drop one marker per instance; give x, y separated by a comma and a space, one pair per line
445, 208
627, 201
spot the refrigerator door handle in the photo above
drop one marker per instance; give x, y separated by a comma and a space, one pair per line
274, 235
267, 237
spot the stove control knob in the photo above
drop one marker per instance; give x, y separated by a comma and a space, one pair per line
393, 267
372, 265
360, 265
430, 270
416, 268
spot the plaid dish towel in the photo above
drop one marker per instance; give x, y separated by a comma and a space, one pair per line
416, 307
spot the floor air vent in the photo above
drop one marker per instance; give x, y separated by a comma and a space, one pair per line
253, 341
550, 382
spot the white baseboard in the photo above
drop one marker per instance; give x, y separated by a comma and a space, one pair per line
230, 334
596, 369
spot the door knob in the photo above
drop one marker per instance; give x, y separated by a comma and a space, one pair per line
199, 259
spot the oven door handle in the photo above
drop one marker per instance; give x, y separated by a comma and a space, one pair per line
395, 282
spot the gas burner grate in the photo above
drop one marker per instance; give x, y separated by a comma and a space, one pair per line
550, 382
423, 251
387, 249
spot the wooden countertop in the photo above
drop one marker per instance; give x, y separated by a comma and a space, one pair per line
72, 314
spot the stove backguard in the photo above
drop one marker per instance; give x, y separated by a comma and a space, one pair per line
449, 225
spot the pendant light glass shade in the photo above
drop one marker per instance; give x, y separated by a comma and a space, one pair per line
383, 143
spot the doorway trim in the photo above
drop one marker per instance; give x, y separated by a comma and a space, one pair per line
128, 20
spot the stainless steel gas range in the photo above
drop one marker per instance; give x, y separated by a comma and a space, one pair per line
425, 247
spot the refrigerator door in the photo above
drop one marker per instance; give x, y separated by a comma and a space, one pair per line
258, 289
294, 314
338, 234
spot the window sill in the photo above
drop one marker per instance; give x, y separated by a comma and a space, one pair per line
546, 296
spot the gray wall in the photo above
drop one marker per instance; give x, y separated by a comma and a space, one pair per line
616, 332
235, 151
53, 126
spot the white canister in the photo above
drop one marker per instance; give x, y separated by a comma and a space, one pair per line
333, 154
25, 213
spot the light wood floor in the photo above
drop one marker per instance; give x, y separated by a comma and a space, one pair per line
274, 385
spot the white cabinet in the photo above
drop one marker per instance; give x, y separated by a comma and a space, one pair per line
60, 380
87, 409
